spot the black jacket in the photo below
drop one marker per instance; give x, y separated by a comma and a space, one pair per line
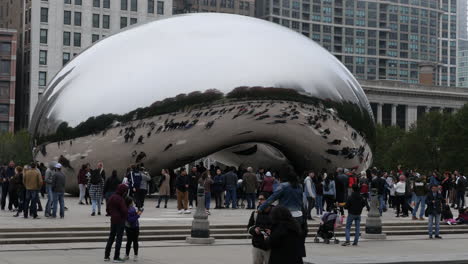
379, 184
341, 184
263, 221
285, 244
355, 204
434, 203
180, 183
111, 184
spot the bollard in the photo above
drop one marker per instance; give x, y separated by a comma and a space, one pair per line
200, 233
374, 222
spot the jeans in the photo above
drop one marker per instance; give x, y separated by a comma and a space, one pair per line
349, 222
460, 199
310, 206
231, 197
82, 192
31, 198
50, 200
98, 203
207, 200
132, 238
419, 200
250, 200
319, 204
58, 198
381, 203
434, 218
116, 230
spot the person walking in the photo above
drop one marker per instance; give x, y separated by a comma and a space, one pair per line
258, 223
285, 238
310, 193
354, 205
58, 187
95, 191
230, 182
132, 229
329, 192
250, 183
206, 181
82, 182
182, 185
420, 191
218, 188
434, 202
135, 182
118, 211
48, 178
32, 181
164, 187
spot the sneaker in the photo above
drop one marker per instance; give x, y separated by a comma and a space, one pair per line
449, 223
421, 218
355, 244
99, 213
157, 206
81, 203
415, 218
187, 212
165, 206
135, 258
345, 244
106, 259
180, 211
438, 237
190, 207
126, 257
119, 260
430, 237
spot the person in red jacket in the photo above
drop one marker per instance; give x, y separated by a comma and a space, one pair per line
117, 209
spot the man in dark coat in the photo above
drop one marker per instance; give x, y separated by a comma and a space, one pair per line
258, 223
341, 183
117, 209
434, 202
379, 183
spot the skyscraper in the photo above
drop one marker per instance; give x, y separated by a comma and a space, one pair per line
7, 79
378, 39
53, 32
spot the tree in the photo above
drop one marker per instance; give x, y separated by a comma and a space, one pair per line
15, 147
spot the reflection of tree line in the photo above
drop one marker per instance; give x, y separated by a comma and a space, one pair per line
348, 111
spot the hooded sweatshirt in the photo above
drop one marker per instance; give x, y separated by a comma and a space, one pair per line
116, 207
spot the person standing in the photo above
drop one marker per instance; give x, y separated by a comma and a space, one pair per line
182, 185
249, 180
310, 193
143, 188
164, 187
82, 182
379, 183
341, 183
118, 211
420, 192
32, 181
318, 182
206, 181
5, 177
230, 181
48, 178
95, 191
329, 192
58, 187
18, 187
193, 184
132, 229
267, 183
110, 186
460, 185
258, 222
434, 202
354, 204
400, 193
218, 188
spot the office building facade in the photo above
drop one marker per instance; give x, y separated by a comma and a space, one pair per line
240, 7
8, 42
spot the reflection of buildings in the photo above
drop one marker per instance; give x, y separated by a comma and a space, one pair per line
377, 39
53, 32
240, 7
396, 103
8, 40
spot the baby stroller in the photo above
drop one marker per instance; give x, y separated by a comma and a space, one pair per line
327, 228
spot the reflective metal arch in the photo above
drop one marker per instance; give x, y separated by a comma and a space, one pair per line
242, 89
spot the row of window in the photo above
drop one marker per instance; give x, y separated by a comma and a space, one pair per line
124, 5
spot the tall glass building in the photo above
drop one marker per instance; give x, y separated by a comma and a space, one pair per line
377, 39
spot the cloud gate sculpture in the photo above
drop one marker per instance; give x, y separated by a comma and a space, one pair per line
241, 90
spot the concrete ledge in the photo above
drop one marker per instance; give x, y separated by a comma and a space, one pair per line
375, 236
198, 240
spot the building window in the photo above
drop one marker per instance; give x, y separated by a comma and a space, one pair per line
44, 14
133, 5
67, 17
133, 21
94, 38
43, 57
123, 22
4, 109
105, 21
66, 58
160, 8
4, 126
150, 6
78, 2
42, 78
5, 67
77, 39
67, 1
95, 20
96, 3
43, 36
4, 90
77, 18
106, 3
66, 38
123, 4
5, 48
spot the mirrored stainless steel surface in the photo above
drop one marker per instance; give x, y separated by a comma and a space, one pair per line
244, 90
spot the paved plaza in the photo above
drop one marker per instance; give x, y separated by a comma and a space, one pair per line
396, 249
